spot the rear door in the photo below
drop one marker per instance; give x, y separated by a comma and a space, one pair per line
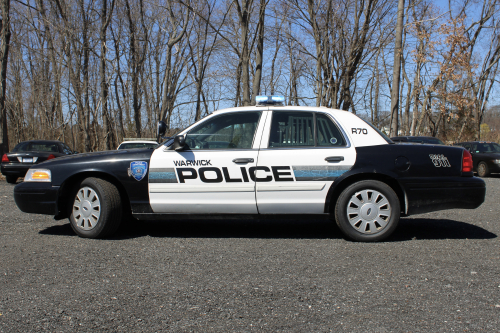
212, 175
302, 153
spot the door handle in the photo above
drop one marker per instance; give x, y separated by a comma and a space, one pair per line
334, 158
243, 160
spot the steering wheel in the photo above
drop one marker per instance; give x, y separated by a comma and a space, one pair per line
194, 143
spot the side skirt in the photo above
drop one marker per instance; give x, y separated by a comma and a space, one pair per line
158, 217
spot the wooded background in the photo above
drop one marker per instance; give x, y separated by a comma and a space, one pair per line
91, 72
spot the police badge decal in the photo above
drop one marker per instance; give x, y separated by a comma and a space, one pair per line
138, 170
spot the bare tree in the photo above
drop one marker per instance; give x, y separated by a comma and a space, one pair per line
396, 70
176, 28
109, 138
4, 56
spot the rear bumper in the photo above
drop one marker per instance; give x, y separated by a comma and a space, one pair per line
431, 194
15, 169
37, 198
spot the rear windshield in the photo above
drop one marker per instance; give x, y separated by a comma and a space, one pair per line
382, 134
135, 145
434, 141
36, 146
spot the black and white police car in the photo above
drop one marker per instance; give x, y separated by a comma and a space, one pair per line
267, 159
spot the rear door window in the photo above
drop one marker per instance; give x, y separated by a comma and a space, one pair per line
327, 132
292, 129
304, 129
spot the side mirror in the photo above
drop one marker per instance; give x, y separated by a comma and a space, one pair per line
162, 128
179, 142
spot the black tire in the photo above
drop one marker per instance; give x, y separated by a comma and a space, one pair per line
483, 170
367, 211
11, 179
96, 209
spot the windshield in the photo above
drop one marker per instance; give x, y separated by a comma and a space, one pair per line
486, 148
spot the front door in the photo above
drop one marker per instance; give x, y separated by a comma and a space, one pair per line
212, 175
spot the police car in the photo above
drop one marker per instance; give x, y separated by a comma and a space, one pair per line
268, 159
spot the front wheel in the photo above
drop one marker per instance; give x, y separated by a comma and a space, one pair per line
367, 211
97, 209
483, 170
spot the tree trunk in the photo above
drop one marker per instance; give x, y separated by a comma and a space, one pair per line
396, 70
4, 56
257, 77
106, 123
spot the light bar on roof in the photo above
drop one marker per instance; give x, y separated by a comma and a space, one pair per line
269, 100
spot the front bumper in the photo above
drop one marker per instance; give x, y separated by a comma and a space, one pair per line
37, 198
15, 169
430, 194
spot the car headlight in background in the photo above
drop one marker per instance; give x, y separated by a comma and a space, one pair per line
496, 161
38, 175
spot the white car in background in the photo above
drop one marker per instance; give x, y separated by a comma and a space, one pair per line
137, 144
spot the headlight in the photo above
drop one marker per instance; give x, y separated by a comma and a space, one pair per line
38, 175
496, 161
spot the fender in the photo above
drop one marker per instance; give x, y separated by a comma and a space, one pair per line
357, 174
111, 165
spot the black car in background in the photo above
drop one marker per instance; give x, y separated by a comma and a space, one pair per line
417, 139
485, 156
28, 153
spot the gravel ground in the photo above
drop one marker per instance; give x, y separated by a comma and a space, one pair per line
439, 272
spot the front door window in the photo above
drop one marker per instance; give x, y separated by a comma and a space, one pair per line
229, 131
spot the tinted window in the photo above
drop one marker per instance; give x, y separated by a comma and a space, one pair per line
38, 146
327, 134
67, 150
20, 146
427, 140
228, 131
292, 129
486, 148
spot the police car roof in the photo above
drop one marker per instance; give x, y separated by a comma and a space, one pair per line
281, 108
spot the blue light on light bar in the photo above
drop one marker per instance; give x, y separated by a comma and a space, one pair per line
269, 100
261, 99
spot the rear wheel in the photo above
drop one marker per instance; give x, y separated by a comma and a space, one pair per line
11, 179
483, 170
367, 211
97, 209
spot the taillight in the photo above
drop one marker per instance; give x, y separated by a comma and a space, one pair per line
51, 156
5, 158
467, 161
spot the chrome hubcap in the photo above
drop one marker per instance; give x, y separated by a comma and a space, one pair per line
481, 169
86, 208
368, 211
